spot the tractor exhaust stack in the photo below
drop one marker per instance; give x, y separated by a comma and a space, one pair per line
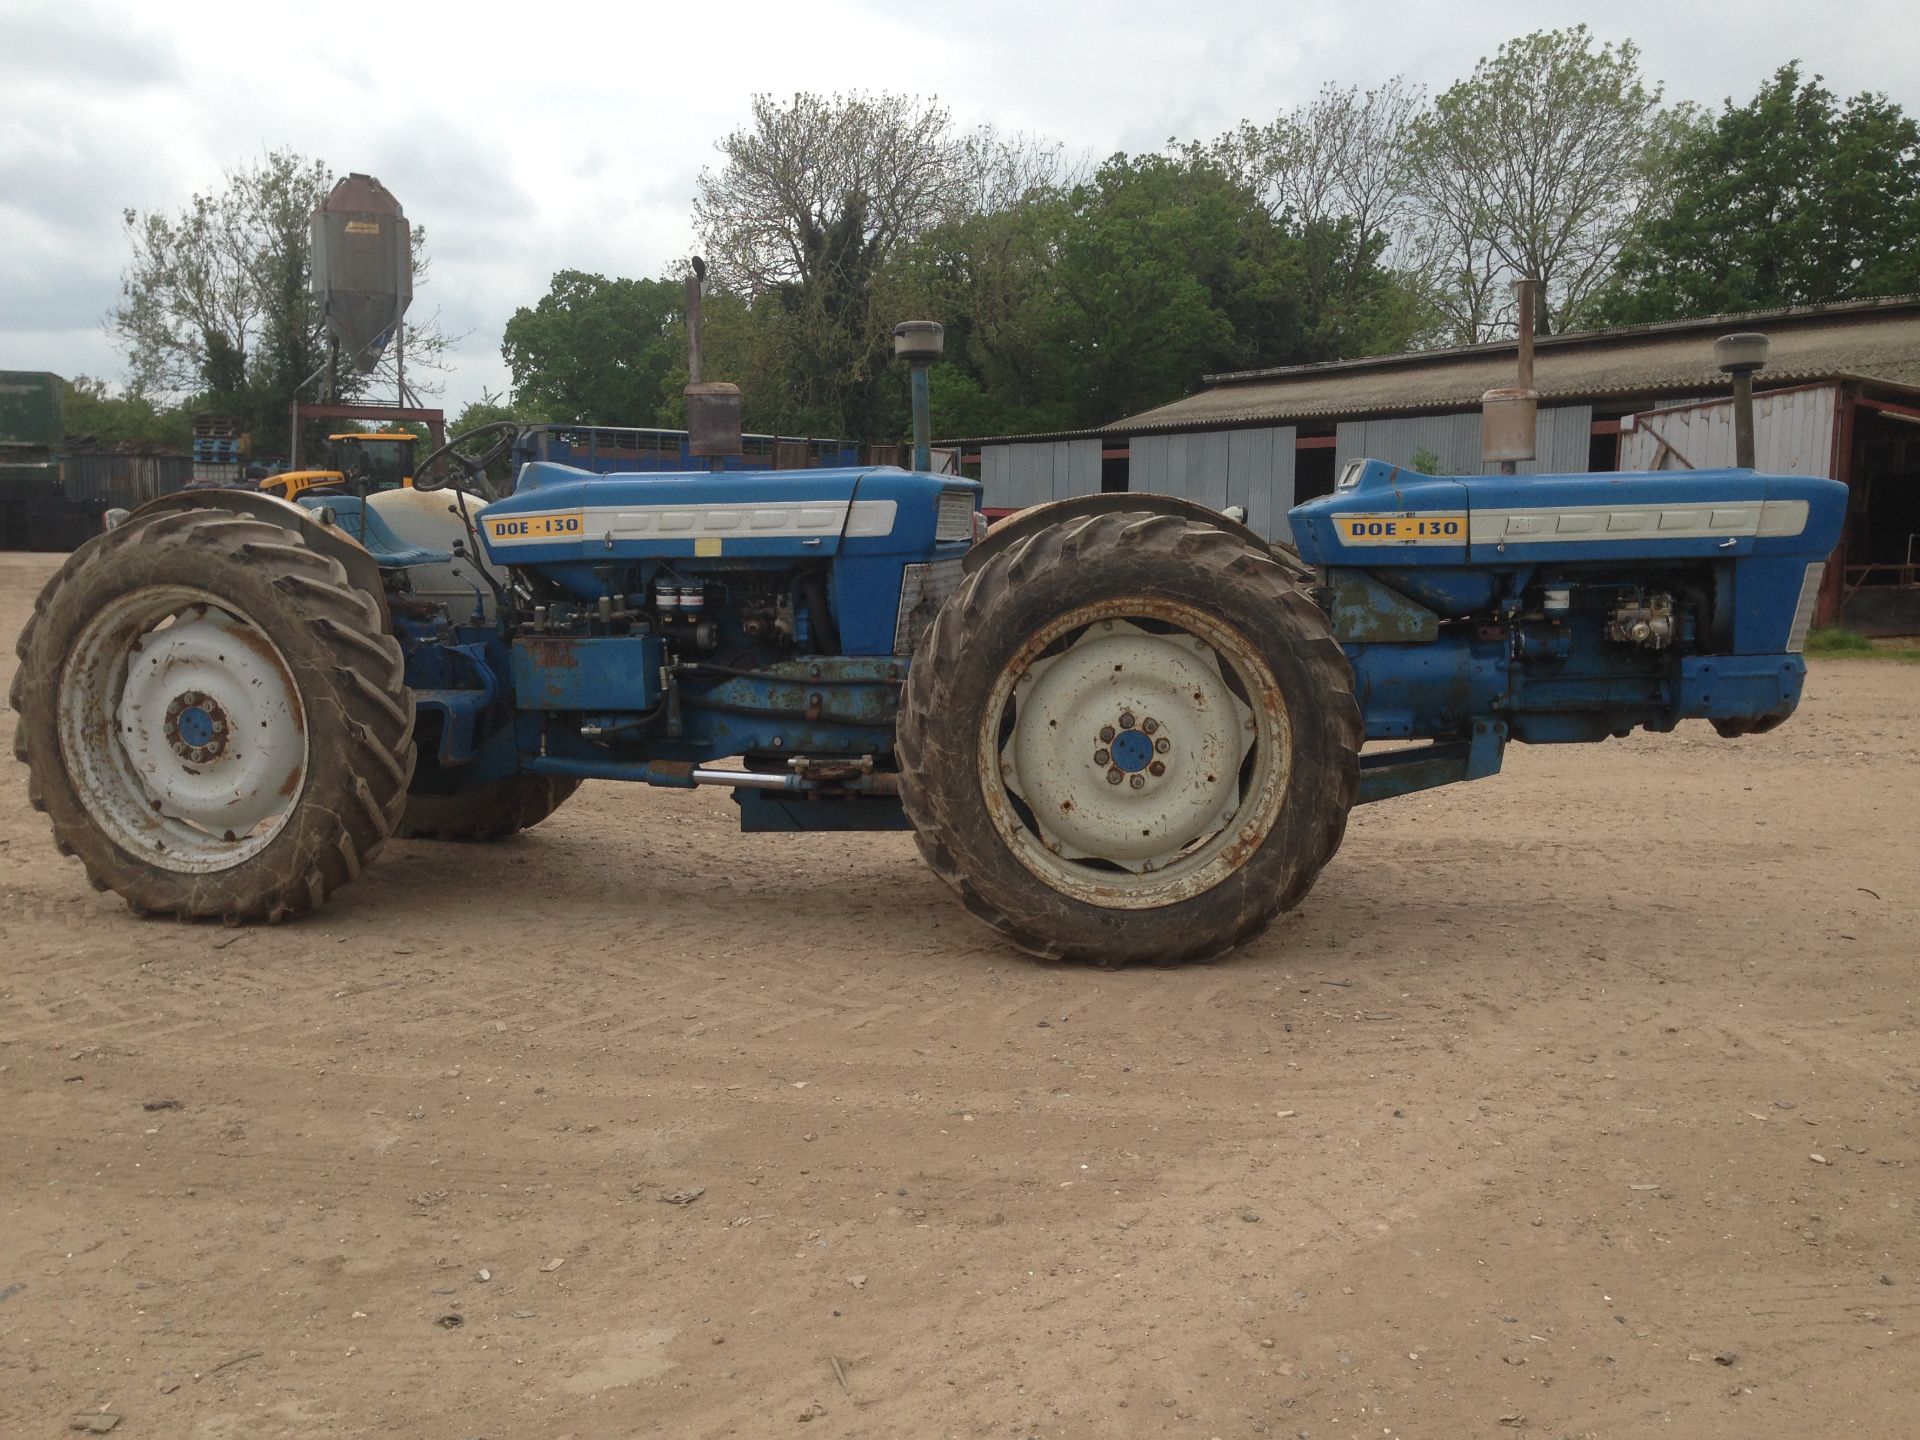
713, 406
1508, 415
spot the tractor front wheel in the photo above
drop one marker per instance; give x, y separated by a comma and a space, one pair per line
213, 717
1129, 737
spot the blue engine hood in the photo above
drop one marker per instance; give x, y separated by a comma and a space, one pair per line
558, 514
1394, 517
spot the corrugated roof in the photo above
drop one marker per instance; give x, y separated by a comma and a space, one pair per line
1876, 341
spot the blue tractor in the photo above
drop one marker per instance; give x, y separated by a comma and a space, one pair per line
1121, 728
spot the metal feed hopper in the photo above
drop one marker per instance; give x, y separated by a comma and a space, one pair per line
362, 267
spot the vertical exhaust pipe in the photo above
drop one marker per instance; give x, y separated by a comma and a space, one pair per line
920, 343
713, 406
1740, 355
1508, 416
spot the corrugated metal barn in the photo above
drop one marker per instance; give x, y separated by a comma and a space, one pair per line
1840, 397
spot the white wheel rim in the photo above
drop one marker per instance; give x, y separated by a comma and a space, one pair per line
182, 729
1135, 753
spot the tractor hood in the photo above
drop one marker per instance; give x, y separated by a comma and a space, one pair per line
560, 515
1386, 516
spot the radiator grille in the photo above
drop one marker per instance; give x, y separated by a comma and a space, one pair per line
1803, 612
923, 590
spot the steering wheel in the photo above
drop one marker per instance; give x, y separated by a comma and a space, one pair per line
472, 466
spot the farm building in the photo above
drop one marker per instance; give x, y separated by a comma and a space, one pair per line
1839, 397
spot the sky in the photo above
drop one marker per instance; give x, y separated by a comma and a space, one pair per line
534, 138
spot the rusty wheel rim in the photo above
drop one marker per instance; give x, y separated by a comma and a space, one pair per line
182, 728
1134, 753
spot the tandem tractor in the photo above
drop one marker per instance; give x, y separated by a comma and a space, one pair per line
1121, 728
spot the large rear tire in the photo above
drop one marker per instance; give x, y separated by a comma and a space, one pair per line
491, 811
1129, 737
213, 717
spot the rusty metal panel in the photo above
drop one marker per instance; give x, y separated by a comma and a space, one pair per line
1016, 476
1252, 468
1792, 433
1453, 441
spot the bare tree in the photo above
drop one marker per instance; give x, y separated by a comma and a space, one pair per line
1340, 156
815, 200
1006, 171
801, 169
1537, 164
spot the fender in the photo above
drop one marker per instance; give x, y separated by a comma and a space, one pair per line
1018, 526
328, 540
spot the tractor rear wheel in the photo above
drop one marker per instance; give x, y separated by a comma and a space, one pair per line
213, 717
491, 811
1129, 737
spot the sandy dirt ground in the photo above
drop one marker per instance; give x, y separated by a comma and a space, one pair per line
1577, 1102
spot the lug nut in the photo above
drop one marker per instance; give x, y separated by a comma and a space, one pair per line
1113, 776
1150, 725
1161, 746
1101, 757
1138, 781
1126, 719
1157, 768
1106, 734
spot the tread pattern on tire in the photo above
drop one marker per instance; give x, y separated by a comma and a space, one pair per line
933, 748
361, 709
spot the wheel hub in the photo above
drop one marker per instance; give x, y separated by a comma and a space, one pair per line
1132, 751
196, 727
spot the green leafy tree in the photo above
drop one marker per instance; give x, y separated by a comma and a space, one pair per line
1081, 302
1791, 198
599, 351
990, 278
91, 409
1539, 164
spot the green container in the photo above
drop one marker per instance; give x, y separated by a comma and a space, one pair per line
30, 412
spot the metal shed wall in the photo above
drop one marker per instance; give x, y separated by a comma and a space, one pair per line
1016, 476
1792, 435
1250, 468
1560, 445
126, 480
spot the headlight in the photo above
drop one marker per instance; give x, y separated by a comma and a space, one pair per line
980, 526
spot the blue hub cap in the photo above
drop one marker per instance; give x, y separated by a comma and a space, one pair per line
1132, 751
196, 726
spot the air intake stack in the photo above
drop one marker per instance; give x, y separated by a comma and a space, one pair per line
1740, 355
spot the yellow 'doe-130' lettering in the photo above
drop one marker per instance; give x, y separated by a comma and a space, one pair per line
521, 529
1448, 528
